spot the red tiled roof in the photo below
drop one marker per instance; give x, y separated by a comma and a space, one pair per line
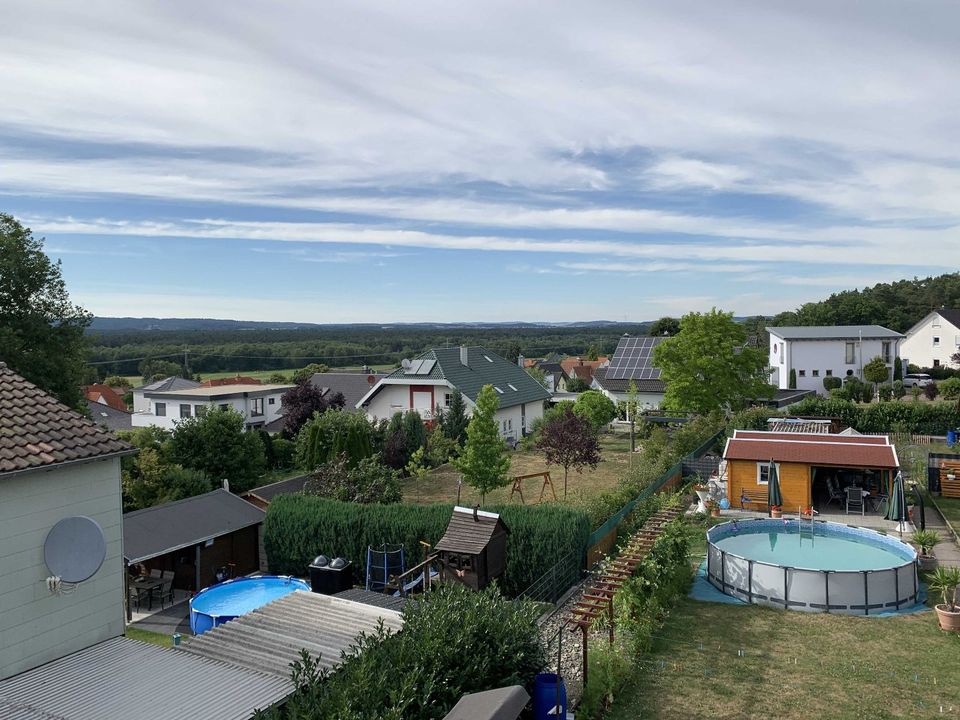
812, 449
37, 431
569, 363
105, 395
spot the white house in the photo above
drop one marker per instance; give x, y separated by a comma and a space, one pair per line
259, 404
432, 379
819, 352
932, 341
54, 464
140, 402
632, 364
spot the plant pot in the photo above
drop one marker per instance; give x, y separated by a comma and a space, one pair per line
949, 621
776, 513
715, 513
927, 562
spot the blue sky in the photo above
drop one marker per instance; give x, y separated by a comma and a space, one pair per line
430, 161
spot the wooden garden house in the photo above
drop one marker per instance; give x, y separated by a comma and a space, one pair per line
473, 550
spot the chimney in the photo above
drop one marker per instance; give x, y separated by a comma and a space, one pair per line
520, 359
226, 485
464, 356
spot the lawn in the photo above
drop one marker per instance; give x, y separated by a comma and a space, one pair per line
441, 484
729, 661
150, 637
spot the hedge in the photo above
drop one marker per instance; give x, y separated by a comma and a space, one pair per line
300, 527
896, 416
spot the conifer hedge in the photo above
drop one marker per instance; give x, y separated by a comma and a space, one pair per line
300, 527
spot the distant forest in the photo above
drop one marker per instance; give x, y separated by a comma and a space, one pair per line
120, 352
220, 348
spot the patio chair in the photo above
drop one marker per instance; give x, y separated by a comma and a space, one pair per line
155, 573
855, 499
136, 596
166, 590
835, 492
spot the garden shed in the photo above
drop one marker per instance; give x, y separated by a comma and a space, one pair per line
473, 550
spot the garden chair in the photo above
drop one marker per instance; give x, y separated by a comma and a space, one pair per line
136, 596
835, 492
855, 499
155, 573
166, 590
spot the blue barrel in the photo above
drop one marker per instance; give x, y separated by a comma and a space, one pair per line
545, 690
951, 437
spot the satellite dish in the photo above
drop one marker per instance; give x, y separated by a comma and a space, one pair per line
74, 549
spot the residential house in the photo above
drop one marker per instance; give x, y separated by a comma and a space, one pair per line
933, 341
110, 417
432, 379
140, 402
819, 352
807, 465
582, 367
54, 464
352, 385
632, 366
259, 404
105, 395
553, 376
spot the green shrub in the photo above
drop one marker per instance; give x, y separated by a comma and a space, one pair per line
369, 481
300, 527
832, 383
910, 417
898, 390
283, 452
885, 392
793, 379
454, 641
950, 388
333, 433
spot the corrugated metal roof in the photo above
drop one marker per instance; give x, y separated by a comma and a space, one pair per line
163, 528
466, 534
271, 637
368, 597
833, 332
124, 679
38, 431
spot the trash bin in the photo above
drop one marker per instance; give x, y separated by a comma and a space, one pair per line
547, 687
329, 577
951, 437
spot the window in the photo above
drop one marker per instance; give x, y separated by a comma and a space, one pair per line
160, 409
272, 401
782, 355
256, 407
498, 389
185, 410
509, 423
851, 353
447, 399
763, 472
936, 341
816, 373
936, 362
829, 373
886, 351
509, 385
487, 358
802, 373
224, 406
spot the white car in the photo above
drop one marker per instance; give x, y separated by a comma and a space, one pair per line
917, 380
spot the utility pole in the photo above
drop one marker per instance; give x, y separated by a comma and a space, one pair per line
186, 363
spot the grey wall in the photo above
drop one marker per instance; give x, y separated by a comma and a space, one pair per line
35, 625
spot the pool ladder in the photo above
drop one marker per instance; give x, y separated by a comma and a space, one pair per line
801, 522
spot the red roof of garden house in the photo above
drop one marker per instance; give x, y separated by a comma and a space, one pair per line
812, 449
105, 395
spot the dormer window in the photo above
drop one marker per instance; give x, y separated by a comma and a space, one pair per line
510, 385
487, 358
498, 389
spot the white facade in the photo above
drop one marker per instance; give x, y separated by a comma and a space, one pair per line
259, 404
37, 626
817, 358
931, 342
644, 400
424, 396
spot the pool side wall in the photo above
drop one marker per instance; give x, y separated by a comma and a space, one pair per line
851, 592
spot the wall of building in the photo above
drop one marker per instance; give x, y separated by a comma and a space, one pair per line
816, 357
794, 483
35, 625
243, 405
645, 401
919, 348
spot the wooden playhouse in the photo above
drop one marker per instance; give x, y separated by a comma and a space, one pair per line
473, 550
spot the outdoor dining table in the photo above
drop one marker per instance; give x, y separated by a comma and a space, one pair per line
146, 583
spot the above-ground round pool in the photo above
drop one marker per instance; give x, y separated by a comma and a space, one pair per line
228, 600
814, 566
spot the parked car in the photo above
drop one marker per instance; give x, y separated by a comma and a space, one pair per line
916, 380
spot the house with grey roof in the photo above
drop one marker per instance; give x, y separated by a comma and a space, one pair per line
141, 403
818, 352
259, 404
109, 417
933, 341
631, 369
431, 380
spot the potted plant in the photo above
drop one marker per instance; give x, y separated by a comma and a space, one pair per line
807, 513
924, 541
776, 511
714, 507
945, 581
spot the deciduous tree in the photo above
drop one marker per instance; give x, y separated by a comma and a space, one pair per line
300, 403
876, 371
482, 462
41, 331
708, 365
369, 481
665, 326
217, 444
596, 408
569, 440
305, 373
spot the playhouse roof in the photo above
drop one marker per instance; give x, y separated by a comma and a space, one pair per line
470, 531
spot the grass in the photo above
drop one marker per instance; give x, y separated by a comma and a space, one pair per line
794, 665
440, 485
150, 637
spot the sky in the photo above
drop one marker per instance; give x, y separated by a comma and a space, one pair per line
495, 161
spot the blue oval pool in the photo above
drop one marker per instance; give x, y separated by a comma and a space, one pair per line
228, 600
815, 566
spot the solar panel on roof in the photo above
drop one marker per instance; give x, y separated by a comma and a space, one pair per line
427, 367
633, 359
414, 368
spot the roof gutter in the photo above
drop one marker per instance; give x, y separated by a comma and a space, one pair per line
65, 463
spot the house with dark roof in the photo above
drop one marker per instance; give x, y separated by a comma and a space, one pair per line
55, 464
817, 352
262, 496
810, 465
141, 404
430, 381
109, 417
632, 365
933, 341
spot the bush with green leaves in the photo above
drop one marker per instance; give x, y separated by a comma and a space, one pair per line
950, 388
454, 641
596, 408
885, 392
331, 434
899, 390
300, 527
369, 481
217, 444
910, 417
832, 383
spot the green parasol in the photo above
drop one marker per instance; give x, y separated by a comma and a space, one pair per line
773, 487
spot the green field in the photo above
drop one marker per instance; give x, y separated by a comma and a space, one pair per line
136, 380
